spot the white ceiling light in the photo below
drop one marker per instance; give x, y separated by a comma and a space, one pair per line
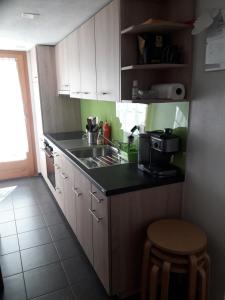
29, 15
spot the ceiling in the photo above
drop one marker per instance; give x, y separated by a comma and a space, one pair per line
57, 19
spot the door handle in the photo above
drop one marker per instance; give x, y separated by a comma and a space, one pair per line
92, 212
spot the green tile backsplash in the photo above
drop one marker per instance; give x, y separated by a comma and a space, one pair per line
123, 116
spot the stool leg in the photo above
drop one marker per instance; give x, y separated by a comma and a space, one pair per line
203, 283
192, 277
1, 281
154, 274
165, 280
145, 268
207, 267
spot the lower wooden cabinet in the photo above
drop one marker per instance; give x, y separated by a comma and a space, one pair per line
111, 230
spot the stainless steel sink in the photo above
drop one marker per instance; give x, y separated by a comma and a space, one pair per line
97, 156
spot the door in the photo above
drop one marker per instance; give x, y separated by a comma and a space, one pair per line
87, 60
17, 151
107, 37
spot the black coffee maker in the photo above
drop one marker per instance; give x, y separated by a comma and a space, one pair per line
155, 151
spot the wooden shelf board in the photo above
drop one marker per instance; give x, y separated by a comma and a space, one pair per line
148, 101
155, 27
153, 67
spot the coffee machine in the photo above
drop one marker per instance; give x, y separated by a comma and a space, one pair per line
155, 151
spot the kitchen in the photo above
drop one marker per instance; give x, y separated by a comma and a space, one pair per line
93, 198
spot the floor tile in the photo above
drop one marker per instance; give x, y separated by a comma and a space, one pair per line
53, 218
6, 216
14, 288
77, 269
68, 248
6, 203
24, 202
39, 256
65, 294
44, 280
34, 238
29, 224
9, 244
90, 288
59, 232
48, 207
10, 264
27, 212
7, 229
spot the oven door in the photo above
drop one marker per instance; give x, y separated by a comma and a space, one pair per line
50, 166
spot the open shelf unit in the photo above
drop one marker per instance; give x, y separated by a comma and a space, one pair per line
154, 67
171, 16
160, 27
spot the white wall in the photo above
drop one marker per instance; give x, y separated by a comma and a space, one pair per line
204, 194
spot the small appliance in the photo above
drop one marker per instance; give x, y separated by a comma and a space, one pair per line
155, 151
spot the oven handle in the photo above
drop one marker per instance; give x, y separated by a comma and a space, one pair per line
48, 155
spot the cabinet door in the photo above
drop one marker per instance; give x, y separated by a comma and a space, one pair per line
87, 60
107, 37
84, 219
61, 56
100, 238
69, 196
59, 180
74, 65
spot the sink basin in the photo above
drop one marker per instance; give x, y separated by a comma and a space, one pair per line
97, 156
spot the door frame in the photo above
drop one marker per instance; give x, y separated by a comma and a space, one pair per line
21, 58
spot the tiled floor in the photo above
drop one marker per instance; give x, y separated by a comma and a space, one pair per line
39, 255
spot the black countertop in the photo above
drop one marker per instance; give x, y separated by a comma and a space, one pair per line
116, 179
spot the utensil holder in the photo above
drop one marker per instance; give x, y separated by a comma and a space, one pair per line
92, 138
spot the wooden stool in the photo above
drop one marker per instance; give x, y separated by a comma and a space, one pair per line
174, 246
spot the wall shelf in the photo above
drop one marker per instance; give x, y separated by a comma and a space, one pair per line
149, 101
154, 67
162, 26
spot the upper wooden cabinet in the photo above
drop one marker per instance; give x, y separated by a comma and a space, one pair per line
62, 63
87, 60
107, 39
74, 65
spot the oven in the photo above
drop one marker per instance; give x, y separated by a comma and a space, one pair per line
50, 163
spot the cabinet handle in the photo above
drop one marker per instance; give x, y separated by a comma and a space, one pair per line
86, 93
76, 192
64, 176
95, 197
104, 93
58, 190
98, 219
57, 166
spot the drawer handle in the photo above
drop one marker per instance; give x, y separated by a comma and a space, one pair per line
94, 215
76, 192
95, 197
104, 93
64, 176
86, 93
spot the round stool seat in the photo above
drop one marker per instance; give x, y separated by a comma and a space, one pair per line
177, 236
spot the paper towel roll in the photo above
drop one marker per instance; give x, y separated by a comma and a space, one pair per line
173, 91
